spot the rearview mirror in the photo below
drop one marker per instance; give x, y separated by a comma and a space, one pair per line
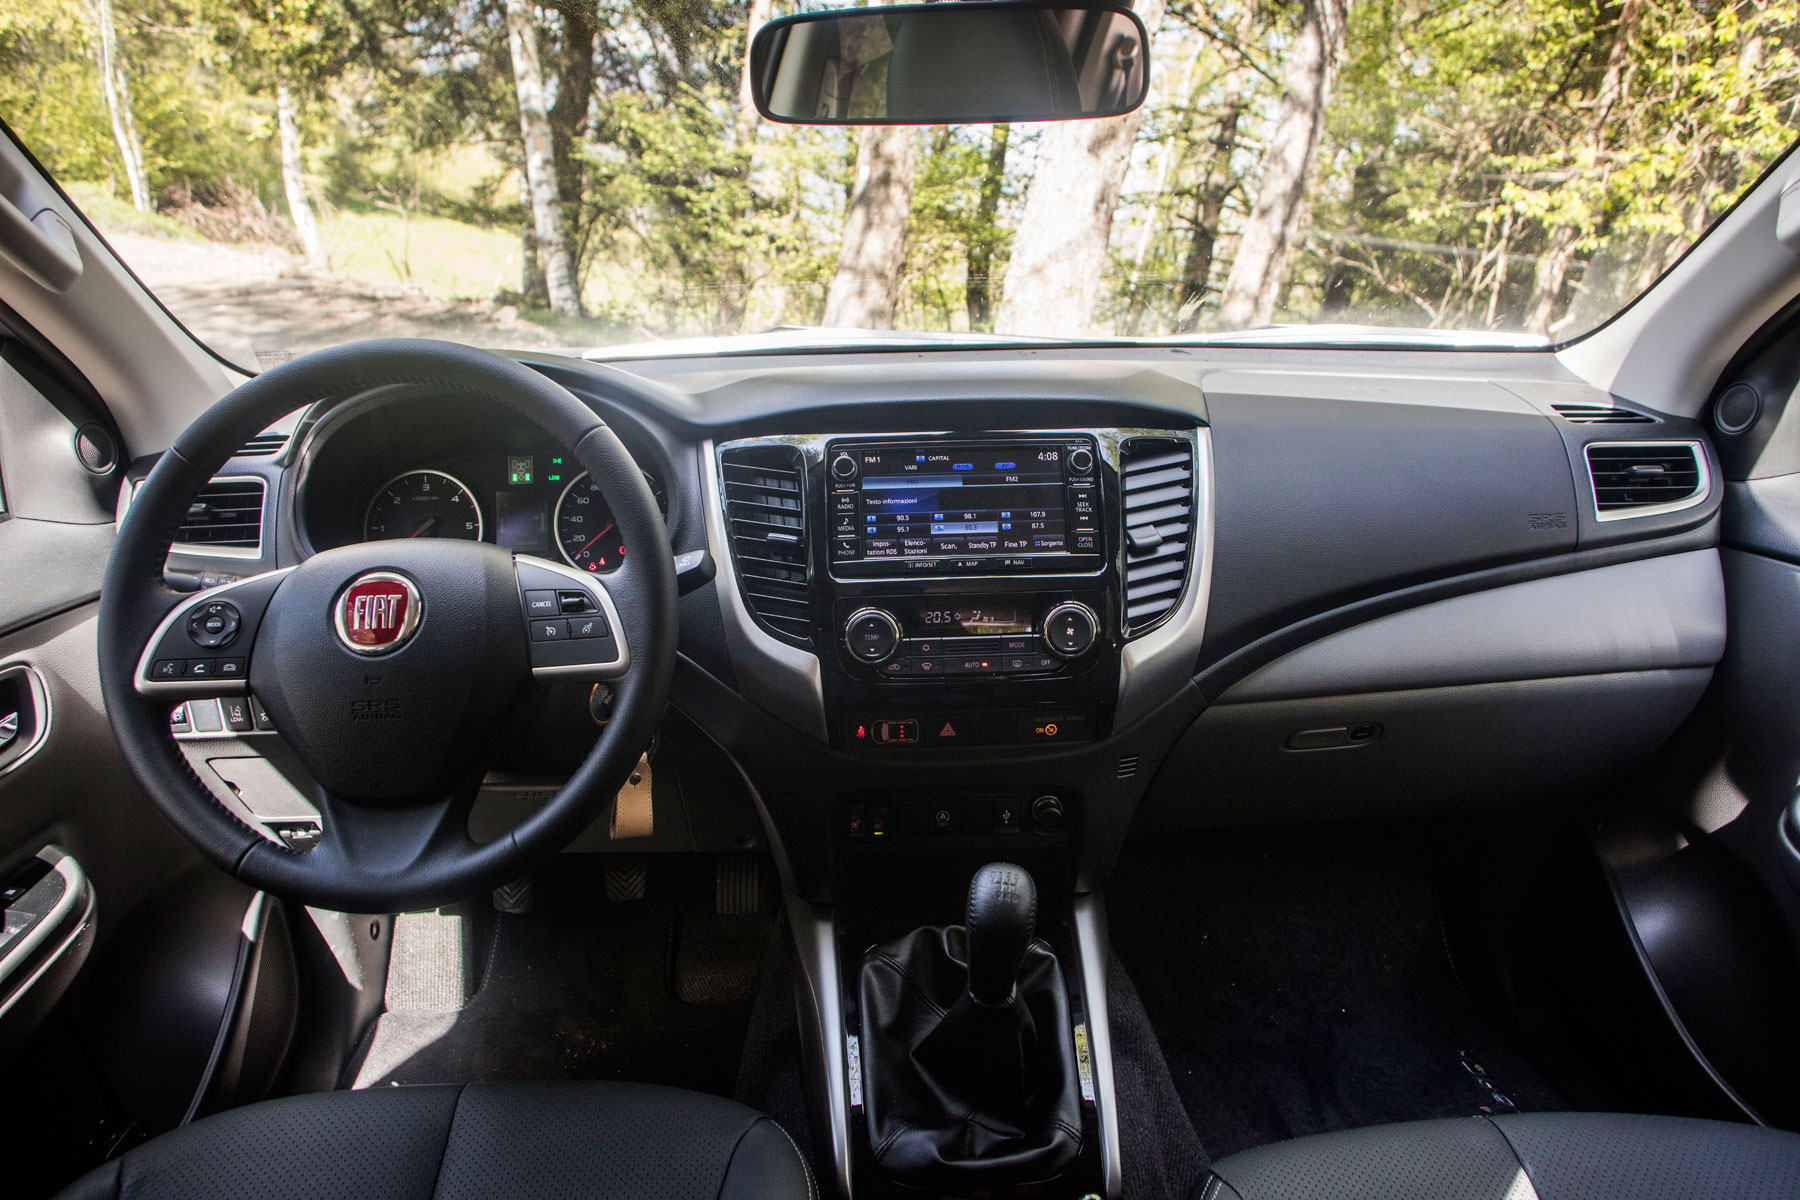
967, 62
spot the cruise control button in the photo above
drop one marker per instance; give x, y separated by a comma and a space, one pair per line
541, 604
549, 631
574, 602
588, 627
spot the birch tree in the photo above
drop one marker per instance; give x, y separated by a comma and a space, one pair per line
293, 180
540, 161
1059, 253
115, 86
865, 291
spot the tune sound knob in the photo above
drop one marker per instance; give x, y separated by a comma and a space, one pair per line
843, 467
871, 635
1070, 628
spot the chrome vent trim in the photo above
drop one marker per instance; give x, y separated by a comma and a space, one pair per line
765, 513
226, 519
1601, 414
1645, 479
1156, 484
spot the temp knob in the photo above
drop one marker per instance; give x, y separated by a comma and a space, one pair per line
1070, 628
871, 635
843, 467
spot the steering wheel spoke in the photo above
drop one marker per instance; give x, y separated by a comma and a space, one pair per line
203, 645
573, 622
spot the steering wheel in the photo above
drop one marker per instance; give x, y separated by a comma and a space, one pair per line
390, 668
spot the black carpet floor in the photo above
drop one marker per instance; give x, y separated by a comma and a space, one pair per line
1300, 983
581, 988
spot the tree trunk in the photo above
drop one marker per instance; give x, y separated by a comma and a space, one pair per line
978, 284
759, 13
293, 180
1215, 185
866, 289
1259, 269
540, 161
1059, 252
569, 115
116, 86
1559, 247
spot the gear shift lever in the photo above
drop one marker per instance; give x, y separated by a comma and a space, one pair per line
1001, 918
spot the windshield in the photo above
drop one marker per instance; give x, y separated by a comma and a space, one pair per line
286, 174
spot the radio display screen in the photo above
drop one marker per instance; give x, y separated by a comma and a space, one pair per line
962, 505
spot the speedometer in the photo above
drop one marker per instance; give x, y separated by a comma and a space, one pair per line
423, 504
586, 533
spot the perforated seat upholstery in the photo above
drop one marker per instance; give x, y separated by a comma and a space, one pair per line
529, 1141
1537, 1156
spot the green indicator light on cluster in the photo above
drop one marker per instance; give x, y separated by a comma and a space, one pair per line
520, 468
554, 478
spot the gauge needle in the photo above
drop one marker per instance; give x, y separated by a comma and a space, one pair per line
595, 538
424, 527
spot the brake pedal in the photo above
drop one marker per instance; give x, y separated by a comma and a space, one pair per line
516, 898
626, 876
738, 885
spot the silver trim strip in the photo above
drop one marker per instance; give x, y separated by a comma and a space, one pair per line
1702, 487
1154, 666
147, 686
594, 586
233, 552
778, 678
1091, 949
815, 938
38, 693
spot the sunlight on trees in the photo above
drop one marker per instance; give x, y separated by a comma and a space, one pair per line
1511, 165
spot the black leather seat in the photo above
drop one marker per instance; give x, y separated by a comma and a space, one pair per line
531, 1141
1537, 1156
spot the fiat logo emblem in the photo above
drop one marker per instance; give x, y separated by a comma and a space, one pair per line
377, 613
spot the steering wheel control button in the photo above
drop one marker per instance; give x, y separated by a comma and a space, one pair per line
574, 602
260, 714
214, 624
541, 604
229, 668
589, 627
871, 635
1070, 628
549, 631
236, 711
378, 613
201, 668
166, 669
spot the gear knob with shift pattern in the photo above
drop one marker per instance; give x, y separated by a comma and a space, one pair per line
1001, 919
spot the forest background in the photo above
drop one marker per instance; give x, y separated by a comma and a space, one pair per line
585, 172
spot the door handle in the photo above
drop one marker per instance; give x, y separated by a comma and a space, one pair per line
9, 728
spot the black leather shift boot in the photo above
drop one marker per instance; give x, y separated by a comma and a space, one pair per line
961, 1094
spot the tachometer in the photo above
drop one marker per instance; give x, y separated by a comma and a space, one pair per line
423, 504
586, 533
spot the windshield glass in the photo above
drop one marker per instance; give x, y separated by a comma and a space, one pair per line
286, 174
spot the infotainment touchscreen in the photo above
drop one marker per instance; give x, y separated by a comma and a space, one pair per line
987, 504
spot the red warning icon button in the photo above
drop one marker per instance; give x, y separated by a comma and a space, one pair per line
948, 731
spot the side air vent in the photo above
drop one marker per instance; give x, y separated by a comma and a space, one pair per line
1633, 479
1128, 765
263, 445
226, 515
765, 508
1600, 414
1156, 476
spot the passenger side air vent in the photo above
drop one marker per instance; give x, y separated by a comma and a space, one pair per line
1600, 414
765, 510
226, 514
1156, 477
263, 445
1630, 477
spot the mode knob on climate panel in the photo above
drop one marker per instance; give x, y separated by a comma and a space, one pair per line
871, 635
1069, 629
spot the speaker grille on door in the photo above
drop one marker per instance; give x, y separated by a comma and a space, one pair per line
765, 512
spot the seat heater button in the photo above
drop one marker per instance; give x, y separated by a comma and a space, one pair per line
541, 604
589, 627
549, 631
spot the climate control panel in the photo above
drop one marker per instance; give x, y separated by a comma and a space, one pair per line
922, 637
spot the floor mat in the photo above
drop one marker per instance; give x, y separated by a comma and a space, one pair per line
1299, 983
577, 988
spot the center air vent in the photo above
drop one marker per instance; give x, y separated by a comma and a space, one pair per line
226, 514
765, 510
1600, 414
1156, 477
1633, 479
